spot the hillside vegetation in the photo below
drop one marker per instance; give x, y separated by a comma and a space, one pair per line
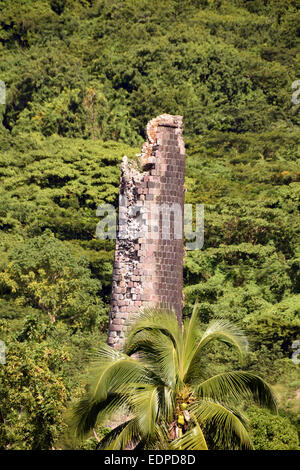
83, 77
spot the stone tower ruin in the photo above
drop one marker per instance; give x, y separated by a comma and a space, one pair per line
149, 247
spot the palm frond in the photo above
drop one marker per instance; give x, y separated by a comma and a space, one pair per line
112, 377
154, 320
157, 339
237, 384
167, 404
112, 371
227, 333
145, 401
158, 353
190, 326
217, 331
226, 426
121, 436
167, 362
190, 334
193, 439
86, 413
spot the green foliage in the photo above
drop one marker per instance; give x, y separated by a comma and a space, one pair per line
45, 365
86, 83
32, 394
278, 323
271, 432
43, 273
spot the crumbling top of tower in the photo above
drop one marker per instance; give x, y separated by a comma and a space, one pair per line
165, 120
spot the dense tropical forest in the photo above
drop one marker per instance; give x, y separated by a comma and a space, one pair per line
82, 79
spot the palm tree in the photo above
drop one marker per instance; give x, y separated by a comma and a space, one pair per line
162, 388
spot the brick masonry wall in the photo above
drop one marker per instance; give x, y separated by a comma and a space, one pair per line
148, 262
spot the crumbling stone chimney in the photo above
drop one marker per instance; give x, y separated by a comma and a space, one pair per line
149, 258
